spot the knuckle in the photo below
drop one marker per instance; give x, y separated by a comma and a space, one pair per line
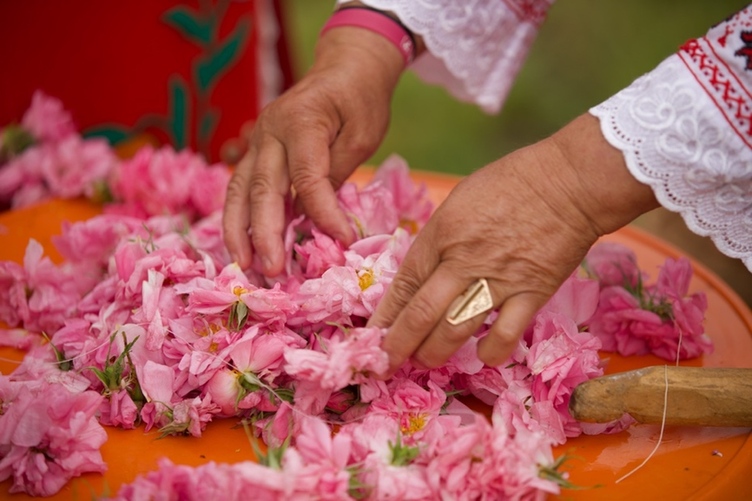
427, 362
236, 188
420, 313
360, 145
258, 185
503, 335
403, 288
305, 181
457, 335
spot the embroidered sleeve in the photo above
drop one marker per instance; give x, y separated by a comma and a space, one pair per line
686, 130
475, 47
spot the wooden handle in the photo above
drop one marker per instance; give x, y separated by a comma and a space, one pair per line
696, 397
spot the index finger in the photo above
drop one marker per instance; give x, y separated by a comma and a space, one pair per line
236, 216
400, 342
414, 326
420, 262
269, 184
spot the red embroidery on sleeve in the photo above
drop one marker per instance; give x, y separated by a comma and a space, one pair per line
532, 11
746, 51
721, 62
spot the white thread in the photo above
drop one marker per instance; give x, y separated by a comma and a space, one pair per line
665, 411
663, 425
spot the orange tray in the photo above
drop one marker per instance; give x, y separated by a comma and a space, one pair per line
691, 463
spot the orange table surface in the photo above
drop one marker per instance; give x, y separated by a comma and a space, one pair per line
691, 463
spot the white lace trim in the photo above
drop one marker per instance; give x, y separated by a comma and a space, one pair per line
675, 139
475, 47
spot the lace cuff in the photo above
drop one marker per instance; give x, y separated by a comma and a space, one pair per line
475, 47
676, 139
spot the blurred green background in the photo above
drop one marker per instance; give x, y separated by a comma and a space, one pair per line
586, 51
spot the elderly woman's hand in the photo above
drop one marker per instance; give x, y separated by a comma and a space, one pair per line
523, 223
311, 139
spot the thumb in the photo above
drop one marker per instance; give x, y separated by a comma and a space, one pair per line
350, 149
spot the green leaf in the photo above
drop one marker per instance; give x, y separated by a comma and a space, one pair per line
102, 193
14, 139
206, 126
178, 111
208, 68
189, 24
113, 133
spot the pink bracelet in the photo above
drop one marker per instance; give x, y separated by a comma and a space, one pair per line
378, 22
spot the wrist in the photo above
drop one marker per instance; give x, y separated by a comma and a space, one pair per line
416, 41
597, 178
361, 53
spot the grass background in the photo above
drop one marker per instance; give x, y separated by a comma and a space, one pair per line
586, 51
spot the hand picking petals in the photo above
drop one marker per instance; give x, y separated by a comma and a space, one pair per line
209, 339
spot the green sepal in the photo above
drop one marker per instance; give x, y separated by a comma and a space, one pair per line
63, 363
238, 316
403, 455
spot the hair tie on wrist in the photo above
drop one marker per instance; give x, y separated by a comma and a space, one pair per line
378, 22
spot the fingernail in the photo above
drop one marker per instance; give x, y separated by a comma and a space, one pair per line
345, 237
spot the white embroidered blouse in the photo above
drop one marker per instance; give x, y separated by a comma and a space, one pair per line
685, 128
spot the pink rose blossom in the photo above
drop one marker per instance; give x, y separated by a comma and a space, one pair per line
348, 359
560, 358
48, 435
47, 119
319, 253
118, 409
613, 264
412, 202
371, 210
576, 298
654, 318
94, 240
164, 181
385, 468
414, 408
38, 295
69, 168
323, 472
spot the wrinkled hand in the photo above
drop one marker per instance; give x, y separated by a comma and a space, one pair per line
524, 223
311, 139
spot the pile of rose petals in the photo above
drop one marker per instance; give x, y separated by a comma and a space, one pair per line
147, 324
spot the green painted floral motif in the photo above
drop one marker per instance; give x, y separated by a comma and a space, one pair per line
217, 56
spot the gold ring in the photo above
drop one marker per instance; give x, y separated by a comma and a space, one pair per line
474, 301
